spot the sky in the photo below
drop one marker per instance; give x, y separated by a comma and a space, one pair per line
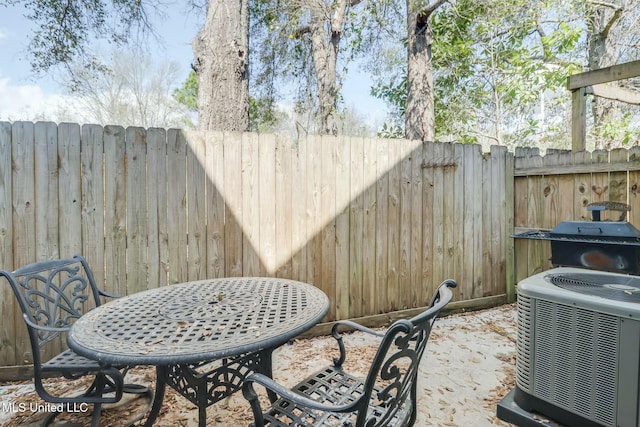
25, 96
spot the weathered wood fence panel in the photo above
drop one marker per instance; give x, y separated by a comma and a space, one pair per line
376, 224
559, 186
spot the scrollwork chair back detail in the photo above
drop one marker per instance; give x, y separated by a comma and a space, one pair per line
56, 298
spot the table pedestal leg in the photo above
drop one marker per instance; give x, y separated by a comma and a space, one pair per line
158, 396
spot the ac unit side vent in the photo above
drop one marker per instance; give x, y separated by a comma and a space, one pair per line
575, 359
523, 344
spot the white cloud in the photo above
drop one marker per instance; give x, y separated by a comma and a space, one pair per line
3, 33
31, 103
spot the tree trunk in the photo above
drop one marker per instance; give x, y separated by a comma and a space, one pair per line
324, 49
221, 51
420, 110
601, 54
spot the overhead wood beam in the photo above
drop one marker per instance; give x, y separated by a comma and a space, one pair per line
604, 75
615, 93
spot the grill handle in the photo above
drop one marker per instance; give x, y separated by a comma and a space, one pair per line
595, 228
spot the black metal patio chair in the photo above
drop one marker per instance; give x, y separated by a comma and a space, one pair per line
333, 397
52, 295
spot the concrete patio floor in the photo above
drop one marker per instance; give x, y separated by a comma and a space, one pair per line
468, 367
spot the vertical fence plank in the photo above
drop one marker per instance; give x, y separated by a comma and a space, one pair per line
393, 218
369, 237
196, 206
457, 218
283, 204
157, 231
327, 223
50, 185
509, 285
470, 215
267, 166
24, 218
634, 187
70, 191
428, 227
7, 299
299, 212
115, 218
404, 233
356, 227
177, 205
582, 187
314, 246
251, 208
448, 208
233, 204
342, 250
382, 229
92, 161
136, 170
437, 211
216, 205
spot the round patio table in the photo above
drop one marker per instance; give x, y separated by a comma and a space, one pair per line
204, 337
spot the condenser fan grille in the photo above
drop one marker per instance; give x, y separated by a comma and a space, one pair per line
613, 287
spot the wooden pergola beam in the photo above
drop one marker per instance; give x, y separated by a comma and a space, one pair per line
578, 84
604, 75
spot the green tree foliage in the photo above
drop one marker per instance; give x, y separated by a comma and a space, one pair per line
493, 62
66, 29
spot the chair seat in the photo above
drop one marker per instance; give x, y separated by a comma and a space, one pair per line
69, 361
330, 385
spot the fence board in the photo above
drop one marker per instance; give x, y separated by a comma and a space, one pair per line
404, 242
233, 204
299, 212
23, 197
356, 226
634, 187
216, 207
177, 205
92, 224
7, 329
47, 183
417, 215
136, 201
428, 228
341, 179
327, 226
382, 221
157, 231
267, 167
115, 216
369, 232
283, 207
196, 205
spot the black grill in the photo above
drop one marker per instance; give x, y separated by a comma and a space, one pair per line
596, 245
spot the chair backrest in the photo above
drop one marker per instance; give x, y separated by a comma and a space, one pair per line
52, 295
390, 387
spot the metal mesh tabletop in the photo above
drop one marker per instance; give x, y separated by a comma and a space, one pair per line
196, 321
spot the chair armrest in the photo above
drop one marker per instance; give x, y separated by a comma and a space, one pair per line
338, 361
354, 325
250, 394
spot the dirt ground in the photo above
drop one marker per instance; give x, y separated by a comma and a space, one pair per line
468, 367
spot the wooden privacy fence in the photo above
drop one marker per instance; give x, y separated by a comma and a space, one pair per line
559, 186
376, 224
